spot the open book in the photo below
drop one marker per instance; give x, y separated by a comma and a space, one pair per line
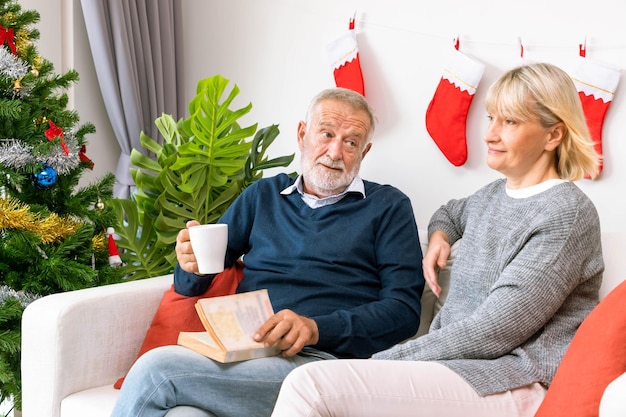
230, 322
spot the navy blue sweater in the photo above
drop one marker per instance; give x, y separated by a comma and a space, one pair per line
355, 266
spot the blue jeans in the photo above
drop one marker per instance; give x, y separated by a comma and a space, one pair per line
170, 376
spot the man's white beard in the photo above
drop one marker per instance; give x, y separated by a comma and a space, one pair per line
327, 181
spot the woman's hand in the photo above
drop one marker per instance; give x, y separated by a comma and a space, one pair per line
435, 259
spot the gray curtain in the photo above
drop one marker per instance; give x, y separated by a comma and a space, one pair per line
137, 51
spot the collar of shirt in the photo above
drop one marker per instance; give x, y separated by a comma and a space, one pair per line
534, 189
356, 186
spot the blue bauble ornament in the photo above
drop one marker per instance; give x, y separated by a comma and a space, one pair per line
45, 178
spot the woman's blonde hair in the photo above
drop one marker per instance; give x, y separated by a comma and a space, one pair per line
545, 92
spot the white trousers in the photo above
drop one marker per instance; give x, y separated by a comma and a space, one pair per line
364, 388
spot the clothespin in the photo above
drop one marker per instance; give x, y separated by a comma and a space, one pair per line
351, 22
456, 42
582, 48
521, 47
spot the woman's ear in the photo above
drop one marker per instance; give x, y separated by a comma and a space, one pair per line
557, 133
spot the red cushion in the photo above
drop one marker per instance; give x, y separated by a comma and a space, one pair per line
177, 313
596, 356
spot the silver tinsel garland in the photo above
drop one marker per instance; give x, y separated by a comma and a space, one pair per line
12, 66
17, 155
22, 297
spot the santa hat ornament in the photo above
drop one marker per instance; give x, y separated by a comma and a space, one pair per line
114, 254
596, 85
447, 112
343, 54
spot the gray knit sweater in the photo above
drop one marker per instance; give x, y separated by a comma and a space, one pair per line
526, 274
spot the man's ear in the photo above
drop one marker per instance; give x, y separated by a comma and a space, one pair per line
557, 133
301, 133
366, 150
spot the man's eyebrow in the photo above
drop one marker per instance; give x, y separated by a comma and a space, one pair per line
324, 123
330, 124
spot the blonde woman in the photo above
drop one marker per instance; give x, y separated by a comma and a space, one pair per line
526, 274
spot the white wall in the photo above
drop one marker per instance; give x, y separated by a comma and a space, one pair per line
275, 51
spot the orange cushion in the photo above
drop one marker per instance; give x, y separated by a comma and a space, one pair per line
596, 356
177, 312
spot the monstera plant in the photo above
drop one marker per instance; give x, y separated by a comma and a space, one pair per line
205, 162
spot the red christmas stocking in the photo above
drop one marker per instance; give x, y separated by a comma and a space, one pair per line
447, 112
343, 54
596, 85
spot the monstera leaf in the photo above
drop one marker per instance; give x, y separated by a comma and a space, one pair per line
205, 162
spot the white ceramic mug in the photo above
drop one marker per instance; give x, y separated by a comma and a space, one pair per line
209, 243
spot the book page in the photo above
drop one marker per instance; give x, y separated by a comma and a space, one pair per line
202, 343
235, 318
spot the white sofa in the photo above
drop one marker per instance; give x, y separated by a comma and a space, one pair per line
613, 403
77, 344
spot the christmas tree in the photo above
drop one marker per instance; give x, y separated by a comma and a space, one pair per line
53, 232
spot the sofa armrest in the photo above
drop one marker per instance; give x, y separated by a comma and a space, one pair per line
82, 339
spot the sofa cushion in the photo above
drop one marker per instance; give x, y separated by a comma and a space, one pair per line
177, 312
431, 304
596, 356
94, 402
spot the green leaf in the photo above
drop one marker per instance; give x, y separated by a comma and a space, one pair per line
205, 162
142, 161
168, 128
141, 251
149, 143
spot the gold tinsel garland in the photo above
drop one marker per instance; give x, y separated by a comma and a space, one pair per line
54, 228
22, 40
99, 242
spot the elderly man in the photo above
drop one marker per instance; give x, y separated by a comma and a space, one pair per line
340, 257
